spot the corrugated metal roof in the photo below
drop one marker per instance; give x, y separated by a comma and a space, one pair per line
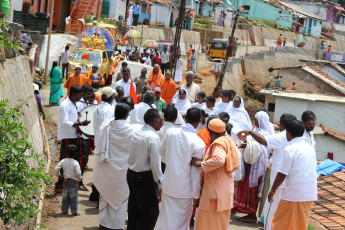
299, 11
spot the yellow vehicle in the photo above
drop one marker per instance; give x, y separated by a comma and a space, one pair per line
217, 49
95, 45
86, 57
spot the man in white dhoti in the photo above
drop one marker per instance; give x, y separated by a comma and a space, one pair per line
137, 114
276, 142
178, 148
111, 164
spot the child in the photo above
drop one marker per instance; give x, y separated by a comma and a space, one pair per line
225, 104
72, 174
203, 119
159, 102
200, 97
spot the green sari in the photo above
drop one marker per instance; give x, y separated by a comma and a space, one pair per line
55, 86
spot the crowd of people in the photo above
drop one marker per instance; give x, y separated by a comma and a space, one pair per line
200, 156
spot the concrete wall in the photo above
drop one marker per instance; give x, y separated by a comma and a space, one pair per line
326, 144
16, 77
313, 7
329, 113
160, 14
117, 8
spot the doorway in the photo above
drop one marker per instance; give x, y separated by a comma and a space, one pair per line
65, 7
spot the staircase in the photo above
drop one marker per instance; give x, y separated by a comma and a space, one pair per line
81, 9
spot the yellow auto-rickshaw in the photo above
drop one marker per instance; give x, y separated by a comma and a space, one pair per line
218, 48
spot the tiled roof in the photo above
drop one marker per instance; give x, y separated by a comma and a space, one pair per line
323, 73
329, 209
333, 133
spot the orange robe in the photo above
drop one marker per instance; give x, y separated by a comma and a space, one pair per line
188, 57
115, 65
88, 74
217, 193
73, 80
168, 90
155, 80
205, 136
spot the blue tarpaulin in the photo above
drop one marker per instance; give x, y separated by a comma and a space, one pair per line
328, 167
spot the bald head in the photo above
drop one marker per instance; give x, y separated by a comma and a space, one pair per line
155, 68
167, 75
120, 93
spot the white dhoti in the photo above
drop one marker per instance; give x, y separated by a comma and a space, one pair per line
110, 217
175, 213
270, 208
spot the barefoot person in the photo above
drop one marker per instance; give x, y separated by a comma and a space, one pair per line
111, 164
218, 167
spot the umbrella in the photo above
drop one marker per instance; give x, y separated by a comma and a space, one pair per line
133, 34
150, 44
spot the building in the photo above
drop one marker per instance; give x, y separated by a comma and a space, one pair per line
329, 110
330, 144
270, 10
333, 13
309, 23
320, 78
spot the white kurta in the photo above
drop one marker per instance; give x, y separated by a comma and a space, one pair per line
137, 114
126, 86
130, 16
222, 107
104, 111
177, 149
309, 138
109, 174
178, 71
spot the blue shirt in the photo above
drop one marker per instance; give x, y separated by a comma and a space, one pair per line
136, 9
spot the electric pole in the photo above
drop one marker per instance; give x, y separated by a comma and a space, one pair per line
178, 32
228, 51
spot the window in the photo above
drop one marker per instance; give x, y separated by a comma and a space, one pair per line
315, 22
246, 7
271, 107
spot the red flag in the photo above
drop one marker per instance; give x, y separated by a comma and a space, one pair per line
132, 93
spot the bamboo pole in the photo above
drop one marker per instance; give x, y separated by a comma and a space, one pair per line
48, 43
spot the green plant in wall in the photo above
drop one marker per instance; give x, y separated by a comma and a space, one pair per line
5, 39
22, 170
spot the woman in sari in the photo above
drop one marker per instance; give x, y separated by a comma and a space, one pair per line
181, 102
55, 85
239, 116
250, 189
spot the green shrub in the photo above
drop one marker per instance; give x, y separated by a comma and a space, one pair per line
201, 21
19, 181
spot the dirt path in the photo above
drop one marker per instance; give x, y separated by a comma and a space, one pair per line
52, 217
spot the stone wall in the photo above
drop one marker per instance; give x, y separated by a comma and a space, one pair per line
16, 76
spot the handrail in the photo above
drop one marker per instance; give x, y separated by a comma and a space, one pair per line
70, 20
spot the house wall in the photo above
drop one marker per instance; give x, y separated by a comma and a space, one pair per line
306, 82
331, 114
17, 5
161, 14
265, 11
206, 9
228, 11
313, 7
117, 8
326, 144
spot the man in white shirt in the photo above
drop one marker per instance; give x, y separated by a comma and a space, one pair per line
192, 88
144, 174
298, 169
68, 126
277, 142
64, 60
308, 119
170, 116
137, 114
178, 148
111, 164
165, 60
82, 104
125, 82
104, 111
147, 59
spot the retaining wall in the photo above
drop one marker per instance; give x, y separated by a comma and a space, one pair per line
16, 76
